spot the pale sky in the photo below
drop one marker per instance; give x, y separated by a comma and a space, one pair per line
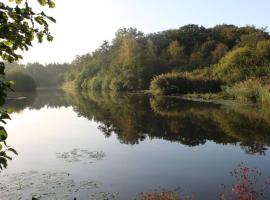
83, 24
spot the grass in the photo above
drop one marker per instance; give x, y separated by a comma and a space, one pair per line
183, 83
251, 90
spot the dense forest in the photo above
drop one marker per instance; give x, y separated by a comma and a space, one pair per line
192, 59
28, 77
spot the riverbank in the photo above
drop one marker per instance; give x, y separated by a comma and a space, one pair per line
221, 98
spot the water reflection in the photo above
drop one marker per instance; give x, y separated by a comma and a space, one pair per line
48, 98
197, 158
133, 117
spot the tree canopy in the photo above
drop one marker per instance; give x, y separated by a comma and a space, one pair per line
132, 60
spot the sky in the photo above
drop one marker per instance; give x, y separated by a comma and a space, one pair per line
82, 25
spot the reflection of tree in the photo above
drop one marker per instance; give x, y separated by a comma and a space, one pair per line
45, 98
132, 117
20, 100
247, 125
50, 98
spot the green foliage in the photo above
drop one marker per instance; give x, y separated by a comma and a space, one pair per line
263, 49
251, 90
179, 83
176, 53
252, 39
18, 28
242, 63
133, 59
49, 75
22, 82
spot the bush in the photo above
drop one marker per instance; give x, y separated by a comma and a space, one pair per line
263, 49
23, 82
178, 83
251, 90
242, 63
235, 65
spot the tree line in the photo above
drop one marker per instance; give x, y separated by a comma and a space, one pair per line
223, 55
28, 77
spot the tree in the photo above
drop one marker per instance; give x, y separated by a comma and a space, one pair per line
176, 54
220, 50
23, 82
133, 59
128, 65
19, 25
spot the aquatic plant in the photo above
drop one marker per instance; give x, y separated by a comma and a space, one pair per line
162, 195
247, 186
78, 155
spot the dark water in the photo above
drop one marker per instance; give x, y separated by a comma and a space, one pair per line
115, 146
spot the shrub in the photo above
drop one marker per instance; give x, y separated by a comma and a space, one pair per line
263, 48
23, 82
243, 63
251, 90
178, 83
234, 66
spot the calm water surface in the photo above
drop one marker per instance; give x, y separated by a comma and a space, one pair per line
105, 146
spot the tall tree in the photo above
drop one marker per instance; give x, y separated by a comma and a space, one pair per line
176, 54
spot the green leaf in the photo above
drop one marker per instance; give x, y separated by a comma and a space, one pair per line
51, 4
3, 162
39, 20
50, 38
2, 68
9, 110
11, 83
40, 36
4, 116
18, 1
3, 134
52, 19
42, 2
13, 150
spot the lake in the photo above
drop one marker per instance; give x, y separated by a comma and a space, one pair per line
116, 146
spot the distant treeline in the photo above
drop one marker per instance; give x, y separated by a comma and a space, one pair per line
185, 60
28, 77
